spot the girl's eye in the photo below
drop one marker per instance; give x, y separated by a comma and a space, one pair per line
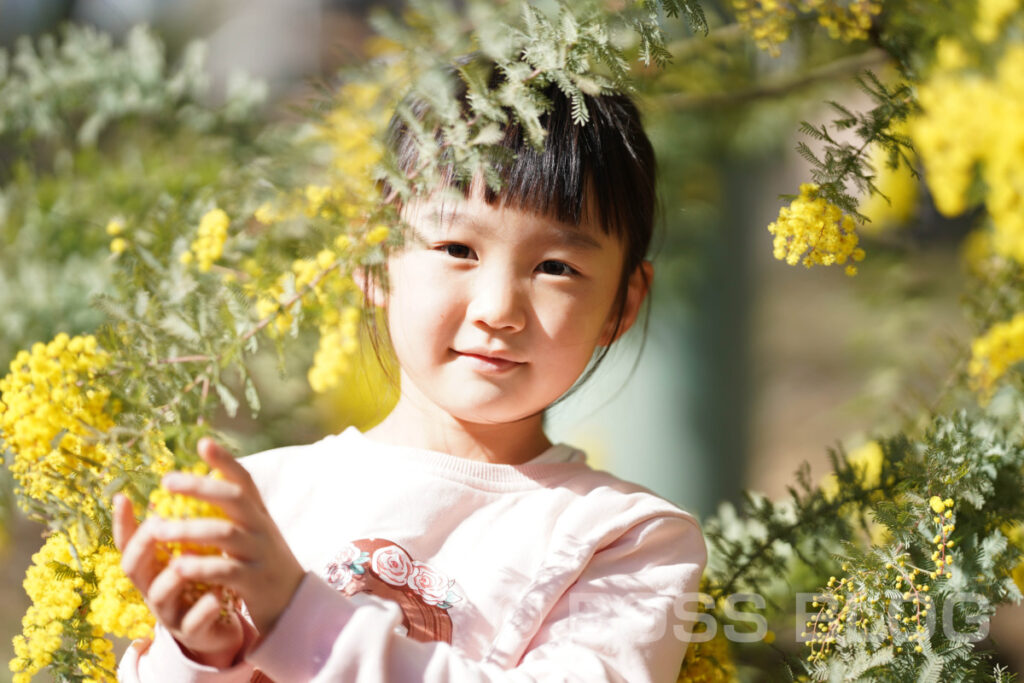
456, 250
556, 268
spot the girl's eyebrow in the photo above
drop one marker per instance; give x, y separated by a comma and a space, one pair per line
570, 237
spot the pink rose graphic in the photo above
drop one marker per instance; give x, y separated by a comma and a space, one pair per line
338, 571
432, 586
392, 565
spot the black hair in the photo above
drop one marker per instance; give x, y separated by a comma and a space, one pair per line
605, 167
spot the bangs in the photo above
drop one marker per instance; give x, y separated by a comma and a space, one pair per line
605, 167
602, 165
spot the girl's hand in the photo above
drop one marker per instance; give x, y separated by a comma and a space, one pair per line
211, 636
257, 562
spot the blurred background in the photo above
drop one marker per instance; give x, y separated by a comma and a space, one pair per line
749, 367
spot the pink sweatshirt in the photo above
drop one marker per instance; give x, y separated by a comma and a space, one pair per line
423, 566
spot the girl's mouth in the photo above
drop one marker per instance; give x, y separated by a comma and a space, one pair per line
488, 364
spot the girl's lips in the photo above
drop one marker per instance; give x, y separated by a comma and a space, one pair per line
488, 363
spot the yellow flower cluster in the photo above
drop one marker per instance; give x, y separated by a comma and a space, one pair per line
1016, 535
991, 16
900, 189
352, 132
115, 227
846, 23
814, 232
995, 352
209, 243
73, 606
866, 463
334, 300
968, 121
943, 518
118, 607
708, 662
769, 21
51, 413
339, 341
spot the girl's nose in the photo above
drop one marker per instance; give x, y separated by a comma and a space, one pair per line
497, 301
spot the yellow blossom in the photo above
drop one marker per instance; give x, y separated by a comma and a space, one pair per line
209, 243
118, 245
338, 344
377, 235
812, 231
168, 505
995, 352
971, 123
768, 21
61, 582
866, 463
51, 411
846, 22
115, 227
118, 607
266, 214
991, 15
1016, 535
900, 189
708, 662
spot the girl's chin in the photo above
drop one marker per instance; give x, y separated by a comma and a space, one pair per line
491, 412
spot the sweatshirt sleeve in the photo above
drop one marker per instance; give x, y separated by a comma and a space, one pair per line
163, 660
616, 622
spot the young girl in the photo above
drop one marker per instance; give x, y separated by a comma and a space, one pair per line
453, 541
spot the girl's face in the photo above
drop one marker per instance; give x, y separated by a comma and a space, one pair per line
494, 312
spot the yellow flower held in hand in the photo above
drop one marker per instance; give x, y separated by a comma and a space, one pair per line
168, 505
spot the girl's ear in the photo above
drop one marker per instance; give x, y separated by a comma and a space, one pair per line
369, 284
636, 291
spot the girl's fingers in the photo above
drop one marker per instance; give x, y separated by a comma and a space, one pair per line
219, 458
236, 494
227, 495
221, 533
217, 569
203, 615
124, 524
138, 559
164, 597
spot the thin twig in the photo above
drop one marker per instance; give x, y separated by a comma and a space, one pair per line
837, 69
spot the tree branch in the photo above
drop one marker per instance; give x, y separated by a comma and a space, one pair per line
840, 68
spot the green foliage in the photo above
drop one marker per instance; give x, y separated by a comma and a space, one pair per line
975, 458
75, 117
98, 131
842, 168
